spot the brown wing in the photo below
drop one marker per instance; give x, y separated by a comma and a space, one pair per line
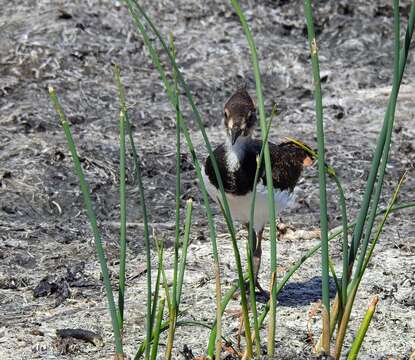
287, 161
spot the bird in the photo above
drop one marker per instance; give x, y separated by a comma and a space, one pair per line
237, 160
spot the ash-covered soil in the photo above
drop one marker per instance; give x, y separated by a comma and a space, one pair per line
49, 274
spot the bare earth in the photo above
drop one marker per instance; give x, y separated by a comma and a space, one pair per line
45, 238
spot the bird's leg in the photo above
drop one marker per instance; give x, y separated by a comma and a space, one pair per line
257, 254
257, 264
281, 227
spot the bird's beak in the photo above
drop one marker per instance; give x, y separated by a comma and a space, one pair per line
235, 133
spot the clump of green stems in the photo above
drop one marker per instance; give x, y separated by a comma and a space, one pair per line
174, 83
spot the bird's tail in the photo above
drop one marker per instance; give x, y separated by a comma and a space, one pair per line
310, 155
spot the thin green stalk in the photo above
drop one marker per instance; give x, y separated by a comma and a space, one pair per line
146, 235
314, 249
175, 308
123, 210
133, 6
123, 104
93, 221
321, 169
160, 251
176, 295
148, 254
123, 222
342, 202
382, 223
136, 159
345, 247
344, 321
218, 293
336, 279
268, 170
357, 234
250, 247
178, 170
297, 265
361, 333
243, 293
252, 298
164, 327
157, 287
225, 301
399, 65
157, 329
186, 240
356, 282
388, 139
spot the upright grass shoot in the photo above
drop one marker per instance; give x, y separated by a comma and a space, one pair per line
173, 311
137, 11
123, 223
93, 221
322, 176
402, 55
175, 298
124, 114
268, 171
390, 117
157, 329
361, 333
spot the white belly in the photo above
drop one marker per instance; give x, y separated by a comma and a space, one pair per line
240, 205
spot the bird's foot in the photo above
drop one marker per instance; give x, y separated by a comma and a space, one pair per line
283, 229
261, 295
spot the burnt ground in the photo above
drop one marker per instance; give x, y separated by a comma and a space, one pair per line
49, 274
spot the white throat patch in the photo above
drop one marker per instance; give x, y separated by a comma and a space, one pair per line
235, 152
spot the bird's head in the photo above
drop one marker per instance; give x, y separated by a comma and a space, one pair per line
239, 116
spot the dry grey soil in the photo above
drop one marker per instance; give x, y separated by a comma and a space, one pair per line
45, 239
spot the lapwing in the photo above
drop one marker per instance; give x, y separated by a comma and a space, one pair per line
237, 162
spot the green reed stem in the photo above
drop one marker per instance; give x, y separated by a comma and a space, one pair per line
123, 221
225, 301
361, 333
382, 223
249, 253
93, 221
321, 168
123, 104
345, 246
336, 279
241, 286
136, 159
251, 233
176, 296
268, 169
356, 281
165, 325
342, 202
123, 207
174, 305
186, 240
228, 296
388, 138
357, 234
178, 171
134, 7
366, 321
157, 331
160, 268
